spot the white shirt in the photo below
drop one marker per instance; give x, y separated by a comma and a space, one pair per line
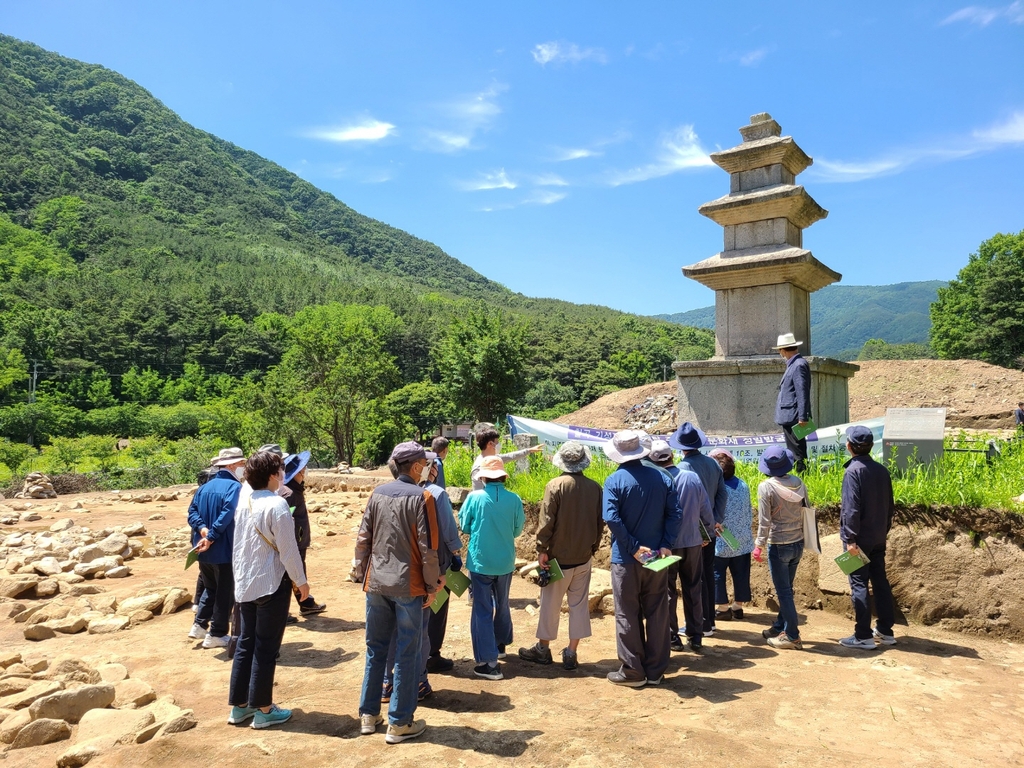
257, 566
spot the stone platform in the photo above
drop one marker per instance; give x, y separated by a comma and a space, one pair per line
737, 397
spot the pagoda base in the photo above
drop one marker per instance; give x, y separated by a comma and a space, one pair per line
738, 396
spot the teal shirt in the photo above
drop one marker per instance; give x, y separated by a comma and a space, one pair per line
492, 517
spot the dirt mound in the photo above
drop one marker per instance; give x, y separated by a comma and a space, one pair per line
977, 396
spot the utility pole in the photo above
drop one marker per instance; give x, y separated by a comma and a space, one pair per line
32, 381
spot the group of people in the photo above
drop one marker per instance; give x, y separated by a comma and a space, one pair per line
250, 531
694, 516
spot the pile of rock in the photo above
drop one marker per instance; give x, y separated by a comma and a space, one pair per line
44, 701
655, 415
36, 486
47, 563
89, 609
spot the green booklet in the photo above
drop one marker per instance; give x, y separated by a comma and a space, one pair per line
456, 581
661, 563
439, 600
556, 571
729, 539
191, 557
801, 432
849, 563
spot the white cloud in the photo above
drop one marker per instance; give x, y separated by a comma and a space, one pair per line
495, 180
559, 52
575, 154
974, 14
550, 180
753, 58
680, 151
980, 141
465, 117
544, 197
367, 130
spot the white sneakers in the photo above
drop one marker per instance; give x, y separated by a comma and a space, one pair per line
881, 638
216, 642
868, 644
197, 632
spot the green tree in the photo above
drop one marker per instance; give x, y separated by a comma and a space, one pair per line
141, 386
423, 404
480, 360
336, 364
980, 315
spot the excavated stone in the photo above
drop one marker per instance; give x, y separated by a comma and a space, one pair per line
19, 584
42, 731
30, 694
39, 632
47, 588
112, 673
107, 625
183, 722
13, 724
70, 669
151, 602
48, 566
132, 694
72, 704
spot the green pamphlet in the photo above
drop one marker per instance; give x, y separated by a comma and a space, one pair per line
440, 599
729, 539
292, 510
801, 432
191, 557
661, 563
704, 535
456, 581
849, 563
556, 571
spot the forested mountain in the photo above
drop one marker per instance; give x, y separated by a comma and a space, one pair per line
148, 264
845, 317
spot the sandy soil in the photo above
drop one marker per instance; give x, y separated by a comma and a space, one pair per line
937, 698
977, 395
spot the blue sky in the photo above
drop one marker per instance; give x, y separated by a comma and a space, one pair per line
561, 148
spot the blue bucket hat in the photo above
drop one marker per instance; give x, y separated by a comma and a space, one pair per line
295, 464
776, 461
688, 438
859, 437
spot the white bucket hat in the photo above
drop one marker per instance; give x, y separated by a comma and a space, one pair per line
787, 340
572, 456
625, 446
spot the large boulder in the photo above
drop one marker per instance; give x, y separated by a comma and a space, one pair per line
25, 698
600, 585
13, 724
176, 598
18, 584
71, 669
72, 704
42, 731
152, 602
108, 625
114, 544
100, 729
132, 694
112, 673
48, 566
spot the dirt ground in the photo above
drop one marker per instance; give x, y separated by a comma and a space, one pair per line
977, 395
937, 698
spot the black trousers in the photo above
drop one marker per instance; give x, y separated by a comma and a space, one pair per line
707, 587
255, 660
688, 572
218, 598
309, 601
798, 447
437, 626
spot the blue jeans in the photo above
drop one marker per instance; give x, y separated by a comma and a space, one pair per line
782, 562
424, 651
490, 623
387, 616
740, 568
875, 573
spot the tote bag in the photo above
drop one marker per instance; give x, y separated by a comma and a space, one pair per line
811, 539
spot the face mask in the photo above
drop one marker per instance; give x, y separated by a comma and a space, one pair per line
425, 474
239, 472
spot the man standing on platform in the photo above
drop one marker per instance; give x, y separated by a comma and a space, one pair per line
793, 406
864, 522
641, 512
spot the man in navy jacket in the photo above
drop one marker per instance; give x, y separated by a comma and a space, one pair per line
212, 518
794, 404
864, 522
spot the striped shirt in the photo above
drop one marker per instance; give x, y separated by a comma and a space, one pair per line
260, 561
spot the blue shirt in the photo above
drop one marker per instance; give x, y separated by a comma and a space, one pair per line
213, 507
446, 526
694, 506
439, 480
710, 473
640, 510
493, 517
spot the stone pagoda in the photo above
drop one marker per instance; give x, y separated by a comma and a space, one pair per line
762, 280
